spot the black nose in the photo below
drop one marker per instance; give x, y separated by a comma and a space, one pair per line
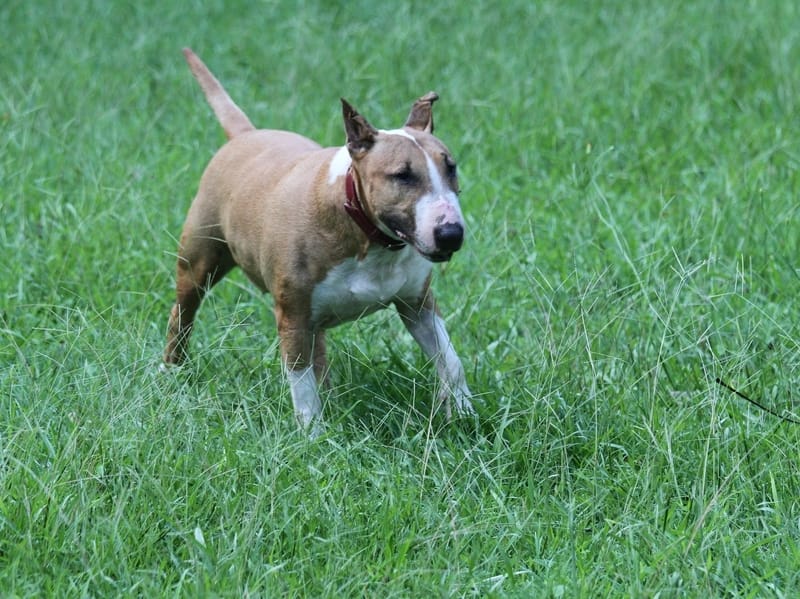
448, 237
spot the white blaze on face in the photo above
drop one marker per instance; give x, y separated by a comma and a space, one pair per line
401, 133
442, 193
437, 207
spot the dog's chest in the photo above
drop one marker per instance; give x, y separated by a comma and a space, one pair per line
355, 288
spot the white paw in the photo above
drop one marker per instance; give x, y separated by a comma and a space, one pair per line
460, 398
165, 368
463, 404
316, 429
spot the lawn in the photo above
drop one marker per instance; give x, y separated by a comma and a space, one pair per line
631, 185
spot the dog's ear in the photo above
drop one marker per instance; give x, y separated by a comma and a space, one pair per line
421, 115
360, 134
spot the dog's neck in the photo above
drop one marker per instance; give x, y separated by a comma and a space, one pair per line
355, 211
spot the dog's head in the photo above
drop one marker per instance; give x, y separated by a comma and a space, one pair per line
407, 180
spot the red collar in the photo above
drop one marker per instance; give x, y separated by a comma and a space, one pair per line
355, 210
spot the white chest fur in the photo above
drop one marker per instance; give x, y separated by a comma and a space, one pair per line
358, 287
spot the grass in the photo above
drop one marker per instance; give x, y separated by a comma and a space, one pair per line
631, 186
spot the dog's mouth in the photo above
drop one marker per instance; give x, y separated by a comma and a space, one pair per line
435, 256
438, 256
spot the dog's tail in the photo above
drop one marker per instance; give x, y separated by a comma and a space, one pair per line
230, 116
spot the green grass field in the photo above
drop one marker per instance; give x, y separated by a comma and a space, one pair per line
631, 177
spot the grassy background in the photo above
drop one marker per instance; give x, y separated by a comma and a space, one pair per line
631, 185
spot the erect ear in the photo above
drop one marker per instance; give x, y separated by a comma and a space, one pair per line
421, 115
360, 134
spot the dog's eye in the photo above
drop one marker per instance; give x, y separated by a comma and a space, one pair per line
450, 170
450, 166
404, 176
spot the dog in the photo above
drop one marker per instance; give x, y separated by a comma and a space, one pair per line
332, 234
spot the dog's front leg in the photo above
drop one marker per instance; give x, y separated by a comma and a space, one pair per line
297, 351
428, 329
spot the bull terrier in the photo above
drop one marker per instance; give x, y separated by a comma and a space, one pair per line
332, 234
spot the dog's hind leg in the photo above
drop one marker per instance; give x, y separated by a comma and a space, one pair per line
202, 263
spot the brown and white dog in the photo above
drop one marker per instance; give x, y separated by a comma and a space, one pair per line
332, 233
